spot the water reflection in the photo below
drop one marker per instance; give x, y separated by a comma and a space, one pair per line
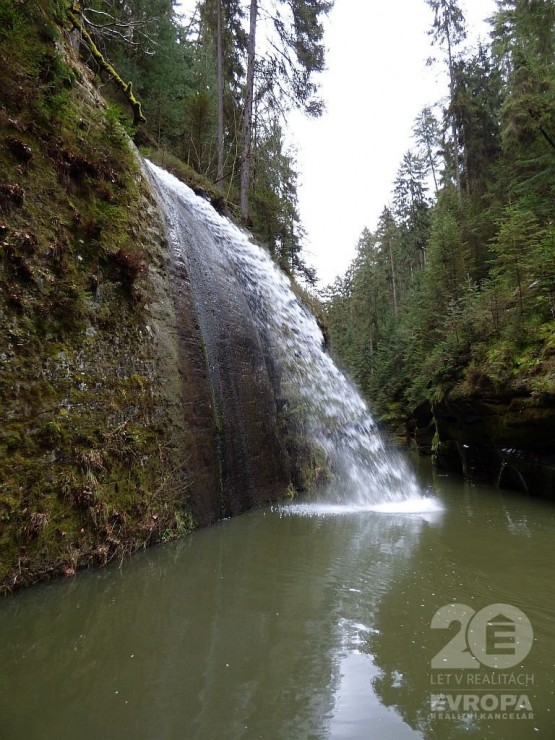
278, 625
472, 558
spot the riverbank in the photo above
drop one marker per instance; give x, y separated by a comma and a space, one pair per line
505, 438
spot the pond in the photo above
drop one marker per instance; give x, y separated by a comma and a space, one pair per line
301, 622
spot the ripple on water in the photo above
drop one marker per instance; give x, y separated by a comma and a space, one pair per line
421, 505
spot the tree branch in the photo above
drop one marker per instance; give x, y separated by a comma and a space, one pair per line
126, 88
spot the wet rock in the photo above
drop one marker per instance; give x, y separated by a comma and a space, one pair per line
504, 440
232, 407
421, 428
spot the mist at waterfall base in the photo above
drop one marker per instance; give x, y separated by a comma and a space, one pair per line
366, 474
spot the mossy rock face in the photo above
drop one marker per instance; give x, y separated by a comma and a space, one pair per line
93, 438
447, 456
421, 429
109, 440
507, 440
523, 423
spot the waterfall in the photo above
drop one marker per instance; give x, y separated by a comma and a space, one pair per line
366, 473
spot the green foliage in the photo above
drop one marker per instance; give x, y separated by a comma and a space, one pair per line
12, 21
477, 311
173, 68
514, 250
118, 124
274, 214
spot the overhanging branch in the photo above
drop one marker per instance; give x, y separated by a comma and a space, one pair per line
126, 87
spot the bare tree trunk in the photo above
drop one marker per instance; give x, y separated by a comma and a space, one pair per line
393, 280
220, 135
466, 168
247, 121
432, 167
454, 127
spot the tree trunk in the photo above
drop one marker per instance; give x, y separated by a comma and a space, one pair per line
393, 280
247, 120
220, 142
454, 128
432, 167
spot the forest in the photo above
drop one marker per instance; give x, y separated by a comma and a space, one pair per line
456, 283
215, 87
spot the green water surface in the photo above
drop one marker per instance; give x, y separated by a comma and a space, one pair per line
282, 625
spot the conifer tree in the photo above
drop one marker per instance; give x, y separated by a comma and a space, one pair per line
449, 30
286, 71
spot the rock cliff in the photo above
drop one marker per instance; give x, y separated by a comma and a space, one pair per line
109, 439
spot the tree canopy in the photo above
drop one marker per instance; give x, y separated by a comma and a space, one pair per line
457, 283
216, 88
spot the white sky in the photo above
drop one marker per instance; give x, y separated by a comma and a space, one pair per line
375, 84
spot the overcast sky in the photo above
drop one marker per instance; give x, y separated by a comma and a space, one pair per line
375, 84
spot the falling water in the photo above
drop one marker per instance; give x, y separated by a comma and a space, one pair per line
366, 473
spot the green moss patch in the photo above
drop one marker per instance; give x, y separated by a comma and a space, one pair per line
86, 472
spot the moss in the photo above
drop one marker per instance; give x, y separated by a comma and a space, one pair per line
125, 87
290, 493
86, 470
